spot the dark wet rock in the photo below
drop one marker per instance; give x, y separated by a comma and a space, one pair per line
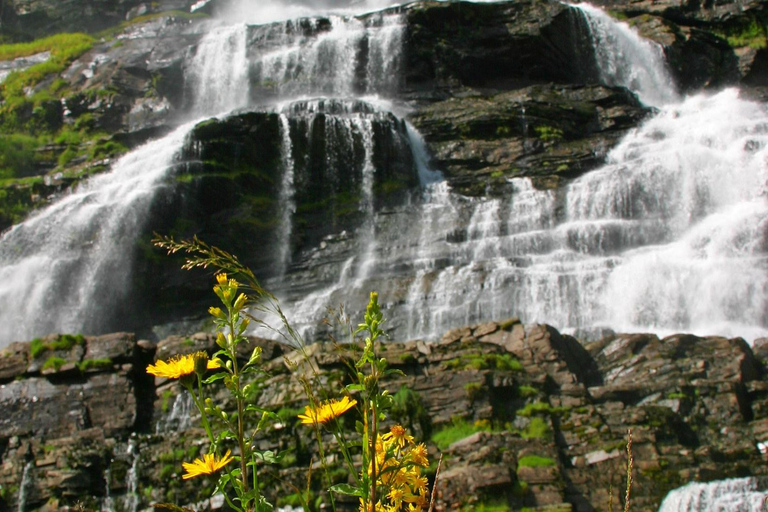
545, 132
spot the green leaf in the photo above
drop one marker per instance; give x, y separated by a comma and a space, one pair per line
346, 490
392, 371
269, 457
354, 387
215, 377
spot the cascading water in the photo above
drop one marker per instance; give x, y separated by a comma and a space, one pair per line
67, 267
287, 199
736, 495
626, 59
26, 482
179, 417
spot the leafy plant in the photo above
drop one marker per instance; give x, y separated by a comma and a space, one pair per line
389, 476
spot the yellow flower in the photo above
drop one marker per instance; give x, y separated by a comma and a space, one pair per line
326, 411
180, 366
418, 455
207, 466
398, 435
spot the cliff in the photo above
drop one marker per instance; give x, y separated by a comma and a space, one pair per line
697, 407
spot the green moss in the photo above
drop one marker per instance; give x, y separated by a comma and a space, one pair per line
487, 506
549, 133
501, 362
36, 347
165, 405
95, 364
54, 363
538, 428
539, 408
18, 155
535, 461
752, 33
527, 391
473, 389
459, 429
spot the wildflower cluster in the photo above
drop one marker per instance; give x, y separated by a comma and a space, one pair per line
231, 322
385, 471
401, 485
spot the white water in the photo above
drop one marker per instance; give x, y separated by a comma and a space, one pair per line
307, 57
26, 481
68, 266
668, 236
286, 198
179, 418
736, 495
624, 58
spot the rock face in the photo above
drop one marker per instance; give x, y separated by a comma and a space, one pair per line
30, 19
551, 416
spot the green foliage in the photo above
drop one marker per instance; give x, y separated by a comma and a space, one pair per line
501, 362
536, 429
752, 34
95, 364
54, 363
64, 49
549, 133
408, 410
459, 429
66, 342
473, 389
17, 155
535, 461
37, 347
538, 408
526, 391
487, 506
166, 403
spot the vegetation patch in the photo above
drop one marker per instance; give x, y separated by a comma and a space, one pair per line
459, 429
535, 461
538, 428
54, 363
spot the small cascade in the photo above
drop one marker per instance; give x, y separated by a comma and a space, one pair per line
108, 505
626, 59
215, 84
735, 495
340, 56
367, 230
132, 499
66, 268
179, 418
27, 480
286, 198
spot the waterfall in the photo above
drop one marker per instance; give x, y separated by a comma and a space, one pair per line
626, 59
68, 267
286, 197
218, 84
736, 495
367, 231
179, 417
340, 56
27, 479
108, 505
132, 500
